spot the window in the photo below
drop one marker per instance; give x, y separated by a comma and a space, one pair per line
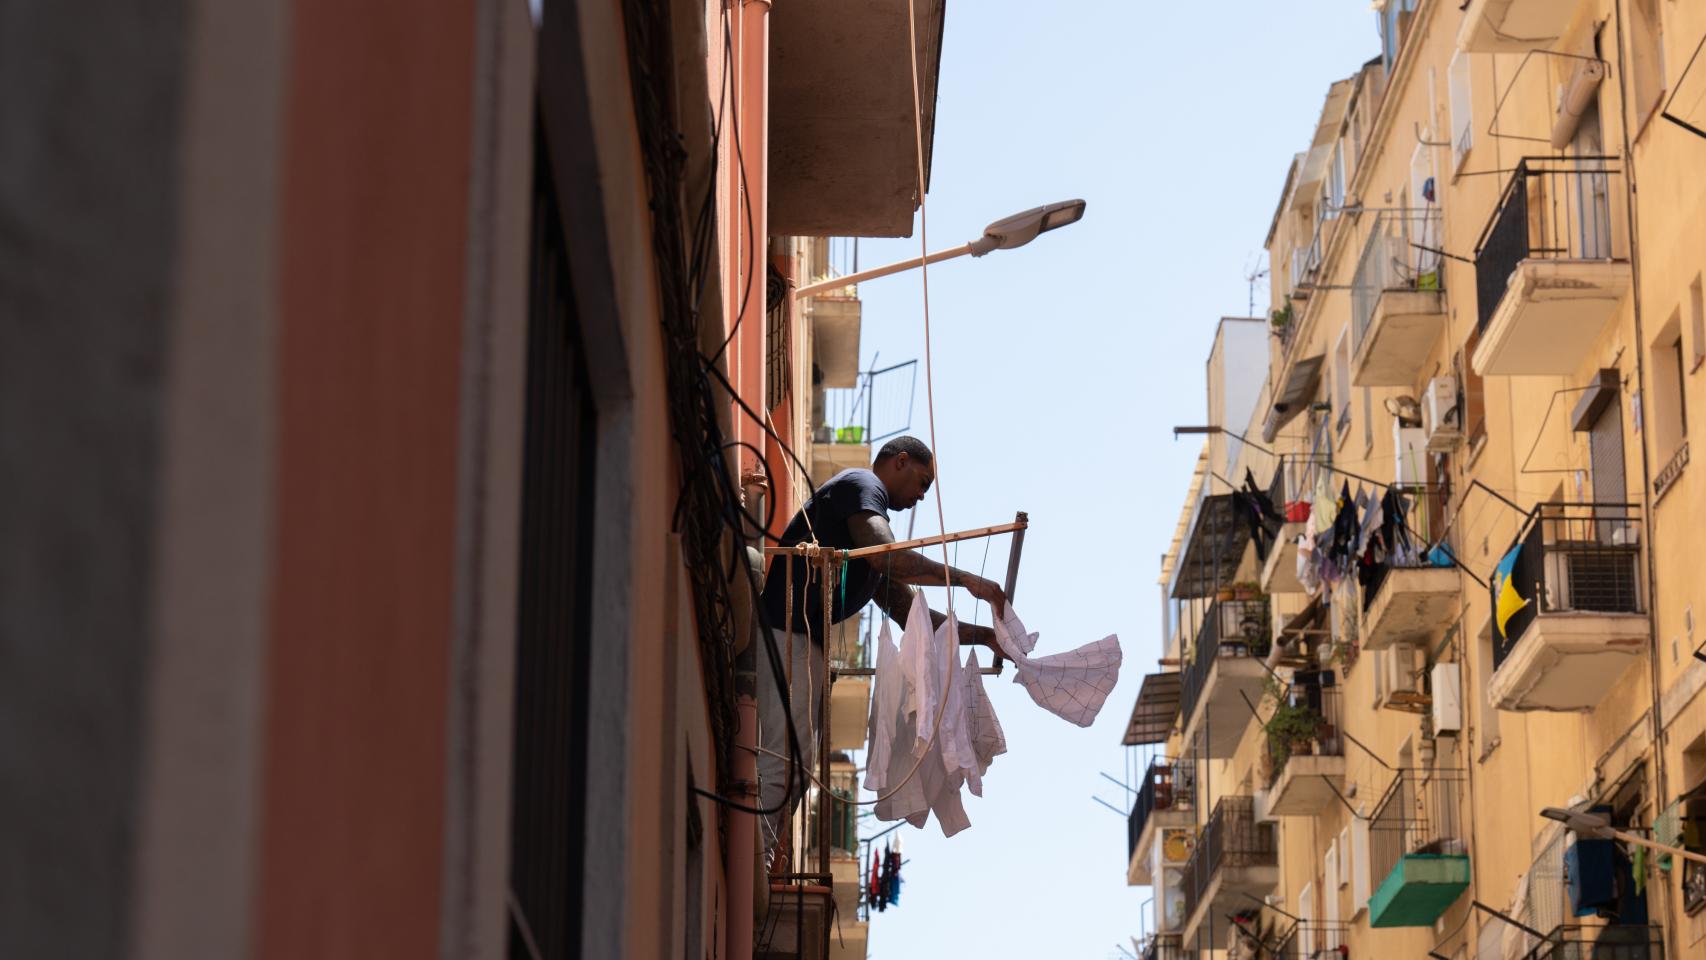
1669, 412
1474, 392
1489, 726
1342, 382
1336, 181
1462, 101
1696, 322
1360, 891
1646, 62
1330, 886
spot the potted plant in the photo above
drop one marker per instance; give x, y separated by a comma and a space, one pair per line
1292, 730
1246, 590
1280, 319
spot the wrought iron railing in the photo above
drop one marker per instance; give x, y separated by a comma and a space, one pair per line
1420, 812
878, 408
1401, 253
1232, 838
1164, 788
1315, 940
1163, 946
1412, 552
1308, 720
1553, 208
1572, 941
1571, 557
1231, 628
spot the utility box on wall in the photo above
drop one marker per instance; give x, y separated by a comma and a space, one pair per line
1447, 700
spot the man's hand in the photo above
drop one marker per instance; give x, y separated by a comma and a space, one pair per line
988, 591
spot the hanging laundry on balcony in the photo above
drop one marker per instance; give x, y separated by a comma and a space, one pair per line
917, 766
1258, 510
1071, 685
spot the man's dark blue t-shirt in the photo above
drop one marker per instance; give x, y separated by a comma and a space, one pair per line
847, 493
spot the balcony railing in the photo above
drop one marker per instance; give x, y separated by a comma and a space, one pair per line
878, 408
1232, 838
1557, 208
1574, 557
1232, 628
1163, 946
1308, 721
1419, 813
1400, 254
1595, 942
1314, 940
1166, 786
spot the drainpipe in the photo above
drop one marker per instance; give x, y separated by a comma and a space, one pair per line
750, 28
1647, 525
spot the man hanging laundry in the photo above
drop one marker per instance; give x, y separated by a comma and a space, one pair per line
849, 511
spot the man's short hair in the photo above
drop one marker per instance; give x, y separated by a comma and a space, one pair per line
911, 446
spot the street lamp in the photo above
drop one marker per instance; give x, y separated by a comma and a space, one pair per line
1004, 234
1598, 826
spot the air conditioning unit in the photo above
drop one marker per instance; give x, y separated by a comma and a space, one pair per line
1448, 702
1441, 420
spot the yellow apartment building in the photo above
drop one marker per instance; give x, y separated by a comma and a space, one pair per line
1434, 575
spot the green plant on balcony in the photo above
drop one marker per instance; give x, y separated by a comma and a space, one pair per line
1293, 728
1280, 319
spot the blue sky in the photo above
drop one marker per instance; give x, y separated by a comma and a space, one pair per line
1060, 370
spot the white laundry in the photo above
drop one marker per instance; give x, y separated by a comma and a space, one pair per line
923, 680
987, 740
1071, 685
886, 693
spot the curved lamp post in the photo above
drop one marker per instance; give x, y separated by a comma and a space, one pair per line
1004, 234
1598, 826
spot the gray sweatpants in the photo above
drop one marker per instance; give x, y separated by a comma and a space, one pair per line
806, 690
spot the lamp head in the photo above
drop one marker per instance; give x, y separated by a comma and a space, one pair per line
1021, 228
1595, 825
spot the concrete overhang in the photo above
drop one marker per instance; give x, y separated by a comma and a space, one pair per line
843, 160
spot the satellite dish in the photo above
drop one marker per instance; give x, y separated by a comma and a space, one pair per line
1406, 409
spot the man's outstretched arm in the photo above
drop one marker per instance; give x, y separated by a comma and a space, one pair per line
911, 567
894, 595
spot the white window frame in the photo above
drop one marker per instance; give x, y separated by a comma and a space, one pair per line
1460, 87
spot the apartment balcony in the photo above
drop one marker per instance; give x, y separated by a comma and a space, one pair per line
1163, 807
1552, 267
849, 938
1225, 675
1513, 26
849, 693
1585, 623
1279, 570
875, 405
843, 159
837, 319
1235, 859
1164, 946
1315, 940
797, 923
1411, 601
1305, 760
1416, 846
1575, 941
1397, 302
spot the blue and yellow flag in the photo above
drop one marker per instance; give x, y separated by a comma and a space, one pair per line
1504, 588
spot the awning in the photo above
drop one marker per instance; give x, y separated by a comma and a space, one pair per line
1213, 549
1295, 397
1156, 708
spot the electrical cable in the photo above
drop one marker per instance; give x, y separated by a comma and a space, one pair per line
745, 193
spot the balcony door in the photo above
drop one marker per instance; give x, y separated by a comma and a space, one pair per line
1591, 201
1605, 458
